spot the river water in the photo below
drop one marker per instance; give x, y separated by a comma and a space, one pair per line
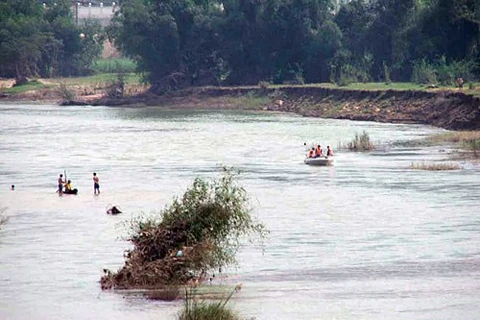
365, 239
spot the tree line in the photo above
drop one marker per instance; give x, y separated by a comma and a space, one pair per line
202, 42
41, 39
278, 41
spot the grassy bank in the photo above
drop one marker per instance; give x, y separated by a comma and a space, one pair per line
397, 86
55, 88
107, 71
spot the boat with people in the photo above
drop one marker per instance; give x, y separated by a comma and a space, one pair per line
315, 156
319, 161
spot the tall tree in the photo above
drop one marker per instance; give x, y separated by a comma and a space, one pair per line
38, 40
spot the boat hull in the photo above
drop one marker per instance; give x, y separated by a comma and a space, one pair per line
320, 161
73, 191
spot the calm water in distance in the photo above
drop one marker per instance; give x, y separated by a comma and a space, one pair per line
365, 239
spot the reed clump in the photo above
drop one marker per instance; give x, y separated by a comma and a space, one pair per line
434, 166
202, 310
361, 142
197, 233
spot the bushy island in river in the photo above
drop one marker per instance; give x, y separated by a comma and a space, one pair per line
197, 233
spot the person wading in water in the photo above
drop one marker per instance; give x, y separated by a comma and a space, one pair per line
96, 184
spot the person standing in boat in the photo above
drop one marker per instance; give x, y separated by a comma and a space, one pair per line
96, 184
329, 151
60, 184
318, 151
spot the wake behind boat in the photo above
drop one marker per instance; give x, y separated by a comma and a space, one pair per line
319, 161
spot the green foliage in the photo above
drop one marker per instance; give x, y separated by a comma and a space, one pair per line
442, 72
202, 310
30, 85
115, 65
361, 143
37, 41
180, 43
198, 232
424, 73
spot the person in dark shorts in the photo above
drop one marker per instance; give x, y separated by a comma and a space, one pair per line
96, 184
60, 183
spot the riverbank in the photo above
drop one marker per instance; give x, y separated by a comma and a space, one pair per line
451, 110
448, 109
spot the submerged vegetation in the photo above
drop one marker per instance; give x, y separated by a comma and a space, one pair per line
468, 140
197, 233
455, 137
434, 166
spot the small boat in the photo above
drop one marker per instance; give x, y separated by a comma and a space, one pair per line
319, 161
73, 191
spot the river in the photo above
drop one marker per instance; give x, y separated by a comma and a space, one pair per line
367, 238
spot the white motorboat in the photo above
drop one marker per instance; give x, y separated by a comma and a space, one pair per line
319, 161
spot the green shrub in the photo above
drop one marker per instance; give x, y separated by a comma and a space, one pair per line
197, 233
449, 72
442, 71
115, 65
424, 73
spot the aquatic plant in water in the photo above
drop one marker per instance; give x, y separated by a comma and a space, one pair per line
361, 143
197, 233
202, 310
434, 166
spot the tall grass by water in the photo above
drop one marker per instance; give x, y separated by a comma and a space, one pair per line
468, 140
115, 65
361, 142
202, 310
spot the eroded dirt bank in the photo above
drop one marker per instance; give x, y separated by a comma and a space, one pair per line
452, 110
445, 109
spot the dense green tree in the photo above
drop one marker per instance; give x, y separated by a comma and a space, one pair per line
42, 40
246, 41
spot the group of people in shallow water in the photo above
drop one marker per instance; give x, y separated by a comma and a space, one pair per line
66, 186
316, 152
